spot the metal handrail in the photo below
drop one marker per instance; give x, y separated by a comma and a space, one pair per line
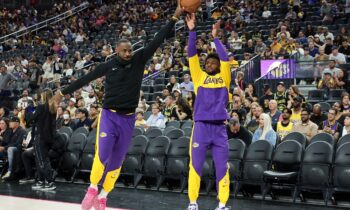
243, 67
45, 23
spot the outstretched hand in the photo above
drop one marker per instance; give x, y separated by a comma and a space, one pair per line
178, 10
216, 28
191, 21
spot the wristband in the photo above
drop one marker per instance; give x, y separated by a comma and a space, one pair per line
175, 18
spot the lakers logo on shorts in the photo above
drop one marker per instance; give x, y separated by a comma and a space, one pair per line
103, 134
195, 145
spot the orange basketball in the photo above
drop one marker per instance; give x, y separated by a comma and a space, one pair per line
190, 6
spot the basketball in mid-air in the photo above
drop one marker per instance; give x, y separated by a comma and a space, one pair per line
190, 6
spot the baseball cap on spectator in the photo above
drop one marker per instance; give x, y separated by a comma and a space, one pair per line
266, 87
280, 83
327, 72
334, 48
14, 119
73, 100
177, 90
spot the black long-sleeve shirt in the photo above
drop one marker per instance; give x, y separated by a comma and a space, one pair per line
123, 78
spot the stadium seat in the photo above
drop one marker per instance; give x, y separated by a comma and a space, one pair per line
66, 130
168, 129
147, 114
155, 159
175, 124
315, 96
322, 137
299, 137
134, 159
88, 154
178, 160
138, 131
256, 161
187, 131
343, 140
236, 153
286, 161
153, 133
187, 124
335, 95
316, 169
158, 88
341, 170
72, 157
175, 133
324, 106
82, 130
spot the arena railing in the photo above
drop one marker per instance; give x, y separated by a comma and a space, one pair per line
251, 69
310, 69
45, 23
140, 43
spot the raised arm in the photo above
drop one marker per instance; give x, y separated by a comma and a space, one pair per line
225, 69
193, 59
151, 48
99, 71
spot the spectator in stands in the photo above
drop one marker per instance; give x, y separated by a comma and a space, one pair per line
156, 119
345, 103
235, 42
239, 81
346, 127
281, 96
236, 131
306, 127
338, 57
265, 131
330, 125
177, 94
283, 30
339, 117
182, 110
140, 121
5, 135
251, 113
238, 106
91, 99
276, 46
341, 80
14, 144
170, 109
28, 159
3, 112
250, 91
327, 82
274, 112
23, 102
5, 78
267, 13
67, 122
71, 107
59, 117
48, 70
260, 47
264, 100
312, 49
328, 46
186, 86
93, 114
345, 49
254, 123
309, 31
296, 109
173, 84
306, 57
82, 115
285, 126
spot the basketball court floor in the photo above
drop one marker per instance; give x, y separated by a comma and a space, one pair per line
67, 196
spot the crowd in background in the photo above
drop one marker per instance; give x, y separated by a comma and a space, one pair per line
271, 116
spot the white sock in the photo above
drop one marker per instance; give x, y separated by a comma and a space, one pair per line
94, 186
221, 205
193, 203
103, 194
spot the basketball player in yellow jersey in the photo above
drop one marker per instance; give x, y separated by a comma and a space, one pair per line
211, 87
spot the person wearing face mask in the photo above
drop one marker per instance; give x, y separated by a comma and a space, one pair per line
67, 120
